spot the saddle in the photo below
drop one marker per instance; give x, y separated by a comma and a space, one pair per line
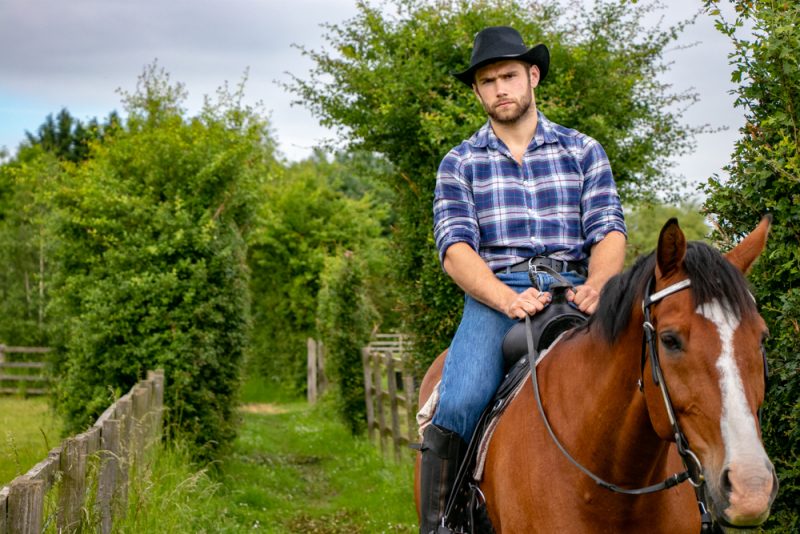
466, 508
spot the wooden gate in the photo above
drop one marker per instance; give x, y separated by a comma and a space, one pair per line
390, 392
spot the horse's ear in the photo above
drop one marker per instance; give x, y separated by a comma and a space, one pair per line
745, 253
671, 249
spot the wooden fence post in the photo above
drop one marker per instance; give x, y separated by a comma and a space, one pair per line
311, 365
123, 413
376, 360
141, 399
157, 377
3, 510
392, 384
110, 475
25, 506
73, 483
369, 390
411, 403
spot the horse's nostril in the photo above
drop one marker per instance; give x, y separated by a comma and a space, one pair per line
725, 482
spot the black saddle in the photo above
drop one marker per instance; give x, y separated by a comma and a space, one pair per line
546, 326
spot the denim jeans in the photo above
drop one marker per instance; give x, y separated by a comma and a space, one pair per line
474, 365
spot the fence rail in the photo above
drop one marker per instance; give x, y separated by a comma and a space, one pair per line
390, 392
95, 465
26, 377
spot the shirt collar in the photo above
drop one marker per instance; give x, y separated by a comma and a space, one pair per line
545, 133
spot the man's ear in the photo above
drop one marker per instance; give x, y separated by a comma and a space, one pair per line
535, 76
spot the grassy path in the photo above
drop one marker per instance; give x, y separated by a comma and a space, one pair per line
294, 469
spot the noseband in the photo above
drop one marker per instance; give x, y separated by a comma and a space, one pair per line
694, 469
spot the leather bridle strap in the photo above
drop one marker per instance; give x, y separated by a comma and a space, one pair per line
670, 482
689, 458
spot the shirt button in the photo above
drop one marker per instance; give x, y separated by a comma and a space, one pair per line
530, 212
533, 239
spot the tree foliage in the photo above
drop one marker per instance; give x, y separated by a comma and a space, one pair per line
151, 259
644, 222
346, 318
312, 211
66, 137
26, 244
384, 81
765, 178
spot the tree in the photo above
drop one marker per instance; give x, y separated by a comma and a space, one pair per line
309, 213
151, 260
67, 137
764, 177
26, 184
384, 81
644, 222
26, 243
346, 318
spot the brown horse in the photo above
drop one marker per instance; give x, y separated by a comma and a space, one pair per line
600, 396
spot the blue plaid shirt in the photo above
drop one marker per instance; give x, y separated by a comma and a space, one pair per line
558, 203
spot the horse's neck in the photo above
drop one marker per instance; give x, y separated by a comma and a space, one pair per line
591, 394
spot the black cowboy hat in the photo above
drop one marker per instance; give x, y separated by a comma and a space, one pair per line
499, 43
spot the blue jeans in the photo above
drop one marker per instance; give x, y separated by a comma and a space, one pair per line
474, 365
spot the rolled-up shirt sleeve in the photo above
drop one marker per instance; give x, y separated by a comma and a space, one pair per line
454, 215
601, 209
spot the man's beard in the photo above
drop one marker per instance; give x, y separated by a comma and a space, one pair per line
512, 113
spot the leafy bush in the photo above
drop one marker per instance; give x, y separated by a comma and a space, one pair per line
151, 259
345, 322
765, 178
26, 245
313, 210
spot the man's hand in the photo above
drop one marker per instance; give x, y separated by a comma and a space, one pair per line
585, 297
529, 302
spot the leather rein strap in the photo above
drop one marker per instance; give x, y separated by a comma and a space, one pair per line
689, 458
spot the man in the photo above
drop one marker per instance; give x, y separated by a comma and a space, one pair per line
522, 192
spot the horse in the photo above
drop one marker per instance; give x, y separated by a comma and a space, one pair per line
614, 404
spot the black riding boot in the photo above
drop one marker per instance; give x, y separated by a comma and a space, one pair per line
442, 451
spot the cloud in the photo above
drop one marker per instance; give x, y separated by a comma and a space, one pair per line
77, 53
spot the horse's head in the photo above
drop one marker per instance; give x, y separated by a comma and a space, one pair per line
709, 341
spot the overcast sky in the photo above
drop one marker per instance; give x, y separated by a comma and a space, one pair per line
77, 53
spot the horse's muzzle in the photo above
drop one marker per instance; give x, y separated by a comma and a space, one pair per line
744, 495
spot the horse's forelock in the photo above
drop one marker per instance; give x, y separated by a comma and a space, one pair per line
712, 277
715, 278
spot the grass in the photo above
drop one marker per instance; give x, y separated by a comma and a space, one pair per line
294, 469
29, 431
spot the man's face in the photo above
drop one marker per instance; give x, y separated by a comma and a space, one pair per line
505, 89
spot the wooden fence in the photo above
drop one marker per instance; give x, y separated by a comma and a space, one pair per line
390, 392
316, 382
23, 376
87, 475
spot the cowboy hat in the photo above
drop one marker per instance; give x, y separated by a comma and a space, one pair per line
499, 43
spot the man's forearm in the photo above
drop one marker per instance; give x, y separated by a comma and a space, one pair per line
607, 259
470, 272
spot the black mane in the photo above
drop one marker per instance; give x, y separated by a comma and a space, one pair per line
712, 276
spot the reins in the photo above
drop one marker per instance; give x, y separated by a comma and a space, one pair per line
694, 469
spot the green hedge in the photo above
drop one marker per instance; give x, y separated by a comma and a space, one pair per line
151, 260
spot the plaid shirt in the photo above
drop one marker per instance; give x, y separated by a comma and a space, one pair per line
558, 203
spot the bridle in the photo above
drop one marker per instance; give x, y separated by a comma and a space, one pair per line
694, 469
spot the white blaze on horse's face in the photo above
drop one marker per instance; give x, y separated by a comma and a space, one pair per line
748, 473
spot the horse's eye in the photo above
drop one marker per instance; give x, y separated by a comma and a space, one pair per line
671, 342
